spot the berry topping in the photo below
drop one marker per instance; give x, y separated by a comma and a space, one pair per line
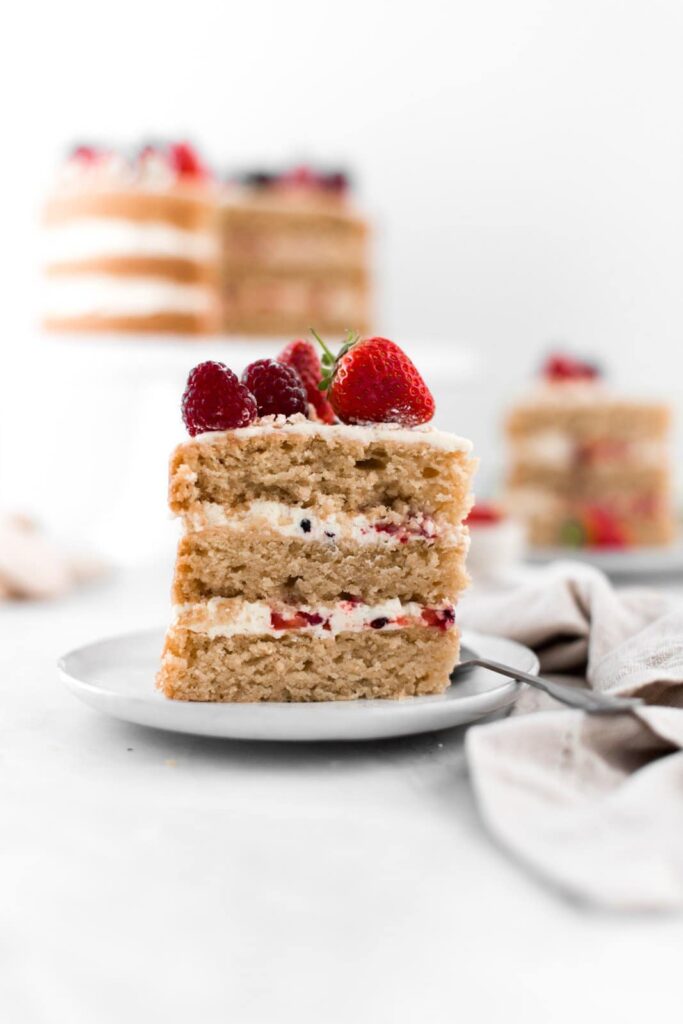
335, 181
302, 176
559, 367
257, 179
379, 623
305, 525
484, 514
86, 154
185, 161
595, 526
214, 399
440, 618
372, 380
299, 620
303, 356
276, 387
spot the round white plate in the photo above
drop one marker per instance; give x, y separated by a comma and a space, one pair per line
645, 562
116, 676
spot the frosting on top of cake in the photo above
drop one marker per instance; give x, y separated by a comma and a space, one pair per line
366, 433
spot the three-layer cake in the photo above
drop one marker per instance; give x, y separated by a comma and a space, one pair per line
318, 561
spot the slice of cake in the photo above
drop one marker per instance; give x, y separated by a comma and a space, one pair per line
319, 561
295, 252
587, 467
132, 244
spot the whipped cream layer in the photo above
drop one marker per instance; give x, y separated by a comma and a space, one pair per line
562, 450
365, 433
234, 617
101, 237
327, 528
107, 295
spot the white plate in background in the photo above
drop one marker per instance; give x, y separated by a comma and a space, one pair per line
116, 676
633, 562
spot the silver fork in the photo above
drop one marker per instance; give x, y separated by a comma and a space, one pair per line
585, 700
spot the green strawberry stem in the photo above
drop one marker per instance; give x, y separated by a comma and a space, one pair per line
328, 360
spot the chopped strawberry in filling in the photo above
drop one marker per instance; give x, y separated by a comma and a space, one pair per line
440, 618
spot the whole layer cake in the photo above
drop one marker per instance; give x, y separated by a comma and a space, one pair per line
131, 244
318, 561
295, 252
587, 467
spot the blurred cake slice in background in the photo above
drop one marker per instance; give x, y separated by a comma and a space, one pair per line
588, 468
131, 243
295, 252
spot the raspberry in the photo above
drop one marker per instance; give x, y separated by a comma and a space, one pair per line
303, 356
214, 399
277, 388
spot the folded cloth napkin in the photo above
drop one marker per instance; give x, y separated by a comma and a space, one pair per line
594, 804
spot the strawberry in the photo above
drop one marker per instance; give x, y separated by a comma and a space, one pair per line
484, 514
559, 367
185, 161
303, 357
372, 380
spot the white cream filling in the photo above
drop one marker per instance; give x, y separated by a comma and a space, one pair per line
107, 295
99, 237
234, 617
366, 433
563, 450
304, 524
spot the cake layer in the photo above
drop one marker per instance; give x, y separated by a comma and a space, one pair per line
155, 323
611, 479
186, 209
122, 269
287, 303
301, 667
596, 417
299, 462
258, 564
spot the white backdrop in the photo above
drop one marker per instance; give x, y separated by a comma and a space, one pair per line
523, 160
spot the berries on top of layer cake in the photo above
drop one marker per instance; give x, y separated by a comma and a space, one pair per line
370, 380
560, 368
151, 165
300, 183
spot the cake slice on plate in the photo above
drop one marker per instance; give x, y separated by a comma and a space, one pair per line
319, 560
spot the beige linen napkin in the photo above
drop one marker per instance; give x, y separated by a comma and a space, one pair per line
593, 803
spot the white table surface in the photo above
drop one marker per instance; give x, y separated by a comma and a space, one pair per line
147, 876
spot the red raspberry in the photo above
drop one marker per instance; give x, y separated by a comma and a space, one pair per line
303, 356
277, 388
372, 380
214, 399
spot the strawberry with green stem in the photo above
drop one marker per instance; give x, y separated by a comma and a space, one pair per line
372, 380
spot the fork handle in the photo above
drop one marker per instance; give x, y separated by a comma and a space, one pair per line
585, 700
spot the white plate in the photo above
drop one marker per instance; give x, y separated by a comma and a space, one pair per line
116, 676
645, 562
